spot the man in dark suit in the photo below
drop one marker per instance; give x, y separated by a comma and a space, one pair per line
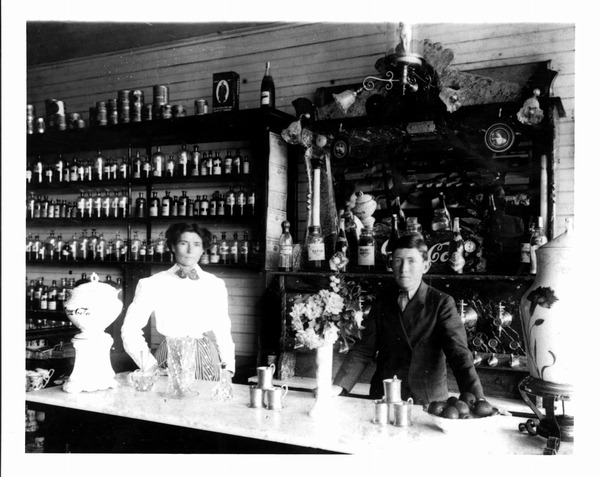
411, 331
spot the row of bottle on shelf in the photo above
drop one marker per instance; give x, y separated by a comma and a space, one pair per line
94, 248
40, 296
478, 249
159, 165
118, 205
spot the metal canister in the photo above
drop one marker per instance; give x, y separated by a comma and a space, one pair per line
101, 117
136, 101
165, 111
40, 125
80, 123
123, 106
200, 106
55, 114
160, 97
112, 112
147, 112
30, 118
178, 111
72, 119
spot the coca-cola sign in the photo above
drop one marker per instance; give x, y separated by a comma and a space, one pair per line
438, 255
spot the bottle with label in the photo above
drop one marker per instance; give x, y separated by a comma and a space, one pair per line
166, 203
228, 163
118, 247
213, 254
441, 221
267, 89
98, 173
124, 168
50, 246
29, 173
97, 206
153, 205
204, 169
183, 159
217, 164
230, 202
224, 249
123, 204
315, 245
537, 240
158, 162
146, 168
85, 171
159, 248
73, 173
456, 252
286, 247
525, 248
48, 174
136, 173
246, 165
397, 209
140, 206
195, 162
366, 249
220, 205
182, 207
244, 248
106, 202
135, 247
240, 202
175, 206
59, 168
92, 246
101, 248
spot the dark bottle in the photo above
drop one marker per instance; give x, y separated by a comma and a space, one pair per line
182, 207
167, 203
175, 206
204, 205
244, 248
315, 248
140, 206
341, 241
228, 163
394, 235
250, 208
286, 247
137, 166
217, 164
170, 167
351, 235
366, 249
82, 280
456, 252
240, 202
267, 89
196, 209
234, 249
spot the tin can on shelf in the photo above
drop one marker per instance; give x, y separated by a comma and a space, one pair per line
123, 106
72, 119
30, 118
101, 116
178, 111
112, 112
165, 111
147, 109
160, 97
201, 107
136, 101
55, 115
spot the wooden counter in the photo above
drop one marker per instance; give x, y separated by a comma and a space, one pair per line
347, 430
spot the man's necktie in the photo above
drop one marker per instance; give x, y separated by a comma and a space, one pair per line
403, 300
192, 274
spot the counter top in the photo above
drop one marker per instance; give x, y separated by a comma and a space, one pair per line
347, 429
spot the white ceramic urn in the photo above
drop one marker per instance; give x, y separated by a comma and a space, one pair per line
548, 313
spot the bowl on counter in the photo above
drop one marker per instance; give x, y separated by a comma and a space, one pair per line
466, 426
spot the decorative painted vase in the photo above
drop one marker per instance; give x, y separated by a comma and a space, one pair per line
548, 312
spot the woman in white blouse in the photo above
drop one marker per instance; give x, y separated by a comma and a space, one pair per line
186, 302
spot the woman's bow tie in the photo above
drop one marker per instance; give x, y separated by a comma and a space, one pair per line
192, 274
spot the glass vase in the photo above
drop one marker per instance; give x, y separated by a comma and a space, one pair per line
181, 366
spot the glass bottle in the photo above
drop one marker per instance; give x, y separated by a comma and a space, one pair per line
244, 248
101, 248
62, 295
118, 247
29, 173
92, 246
183, 159
97, 206
114, 169
53, 296
228, 163
174, 207
195, 162
59, 167
234, 249
240, 202
220, 205
146, 168
123, 204
166, 202
140, 206
45, 203
38, 171
170, 167
50, 246
29, 296
214, 251
110, 251
223, 391
249, 210
456, 252
237, 163
397, 209
159, 248
190, 207
267, 89
106, 203
84, 279
366, 249
315, 247
182, 205
48, 174
525, 248
286, 247
87, 171
217, 164
351, 235
230, 202
153, 205
136, 173
196, 208
204, 170
246, 165
158, 162
75, 247
441, 221
224, 249
143, 251
124, 168
98, 166
537, 240
74, 172
29, 247
58, 248
135, 247
204, 206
